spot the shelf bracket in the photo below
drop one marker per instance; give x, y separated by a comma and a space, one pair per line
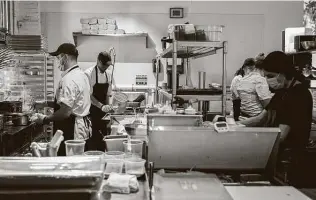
75, 39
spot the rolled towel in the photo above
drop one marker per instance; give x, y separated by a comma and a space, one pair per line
112, 27
110, 31
120, 31
123, 184
94, 32
111, 21
102, 21
94, 27
104, 32
85, 26
85, 31
84, 20
103, 26
93, 20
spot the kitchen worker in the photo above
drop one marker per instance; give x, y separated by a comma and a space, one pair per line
293, 105
253, 89
101, 88
72, 99
233, 88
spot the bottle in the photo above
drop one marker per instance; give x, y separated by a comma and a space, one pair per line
56, 138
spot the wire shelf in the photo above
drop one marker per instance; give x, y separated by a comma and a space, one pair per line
193, 49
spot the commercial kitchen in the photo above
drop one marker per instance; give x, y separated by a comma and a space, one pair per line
141, 100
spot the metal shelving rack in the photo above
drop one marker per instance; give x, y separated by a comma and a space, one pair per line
40, 87
194, 50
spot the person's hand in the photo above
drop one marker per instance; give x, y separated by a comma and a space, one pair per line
38, 118
106, 108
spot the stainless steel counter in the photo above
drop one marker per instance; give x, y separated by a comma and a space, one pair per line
203, 148
264, 193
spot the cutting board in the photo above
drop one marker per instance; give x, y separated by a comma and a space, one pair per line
265, 193
190, 187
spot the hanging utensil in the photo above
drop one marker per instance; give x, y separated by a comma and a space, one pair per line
113, 55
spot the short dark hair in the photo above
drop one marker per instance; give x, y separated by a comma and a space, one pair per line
104, 57
249, 62
279, 62
240, 72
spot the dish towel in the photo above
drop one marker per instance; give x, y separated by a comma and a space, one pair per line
111, 27
93, 21
84, 21
85, 31
120, 31
111, 21
94, 32
85, 26
101, 21
121, 183
103, 26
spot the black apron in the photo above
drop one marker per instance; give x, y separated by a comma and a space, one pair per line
99, 126
67, 126
294, 155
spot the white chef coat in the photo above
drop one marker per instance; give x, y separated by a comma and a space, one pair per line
74, 91
102, 78
252, 89
233, 86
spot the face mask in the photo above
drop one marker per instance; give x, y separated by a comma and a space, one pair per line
274, 83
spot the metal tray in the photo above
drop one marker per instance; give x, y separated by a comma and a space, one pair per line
81, 171
189, 186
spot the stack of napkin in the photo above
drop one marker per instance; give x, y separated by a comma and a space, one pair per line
121, 183
100, 26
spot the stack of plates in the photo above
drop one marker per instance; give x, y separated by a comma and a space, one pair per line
26, 42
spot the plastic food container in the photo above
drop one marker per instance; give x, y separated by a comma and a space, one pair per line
135, 166
136, 148
74, 147
115, 143
113, 166
94, 153
209, 33
111, 155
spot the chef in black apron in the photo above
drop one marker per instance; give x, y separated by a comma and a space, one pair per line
100, 84
72, 99
293, 106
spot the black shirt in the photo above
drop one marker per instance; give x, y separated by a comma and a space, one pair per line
294, 107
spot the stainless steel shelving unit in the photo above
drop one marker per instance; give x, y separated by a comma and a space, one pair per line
194, 50
40, 86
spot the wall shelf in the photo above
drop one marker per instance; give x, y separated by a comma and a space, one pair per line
76, 35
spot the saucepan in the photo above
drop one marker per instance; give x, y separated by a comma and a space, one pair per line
19, 119
309, 45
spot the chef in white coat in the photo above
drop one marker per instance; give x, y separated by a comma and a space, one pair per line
72, 100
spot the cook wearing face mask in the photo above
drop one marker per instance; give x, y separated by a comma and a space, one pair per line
276, 82
293, 106
72, 99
